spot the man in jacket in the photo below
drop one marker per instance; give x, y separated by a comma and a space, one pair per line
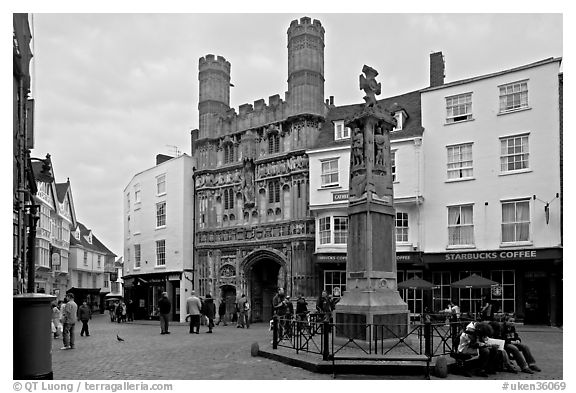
193, 310
243, 307
209, 310
84, 315
164, 307
69, 321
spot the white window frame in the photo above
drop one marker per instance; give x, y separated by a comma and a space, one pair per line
515, 158
402, 230
513, 96
340, 229
137, 194
161, 184
457, 230
393, 164
340, 131
459, 166
459, 108
85, 258
324, 230
137, 256
329, 172
516, 222
399, 116
99, 261
161, 214
161, 252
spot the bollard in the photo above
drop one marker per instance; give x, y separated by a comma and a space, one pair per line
275, 332
428, 338
32, 336
325, 340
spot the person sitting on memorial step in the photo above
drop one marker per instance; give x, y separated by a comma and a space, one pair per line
519, 351
473, 342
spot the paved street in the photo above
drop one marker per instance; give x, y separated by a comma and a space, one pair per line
145, 354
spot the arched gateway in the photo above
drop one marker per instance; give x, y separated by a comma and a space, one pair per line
264, 271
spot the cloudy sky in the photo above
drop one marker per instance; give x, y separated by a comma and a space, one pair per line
114, 90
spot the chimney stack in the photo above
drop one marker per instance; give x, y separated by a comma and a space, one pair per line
160, 158
436, 69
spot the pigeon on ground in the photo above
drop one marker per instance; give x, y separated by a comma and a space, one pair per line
119, 338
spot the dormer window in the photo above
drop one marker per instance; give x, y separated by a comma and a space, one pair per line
341, 132
90, 238
400, 117
77, 234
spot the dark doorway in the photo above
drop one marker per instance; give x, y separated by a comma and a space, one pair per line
176, 301
263, 286
228, 293
536, 299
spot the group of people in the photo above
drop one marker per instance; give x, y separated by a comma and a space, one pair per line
283, 308
496, 344
65, 314
121, 312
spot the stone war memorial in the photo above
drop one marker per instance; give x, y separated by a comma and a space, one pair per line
371, 296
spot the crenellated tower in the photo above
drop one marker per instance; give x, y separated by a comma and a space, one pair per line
306, 67
214, 89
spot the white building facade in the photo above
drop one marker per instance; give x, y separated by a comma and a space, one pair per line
477, 187
158, 233
492, 188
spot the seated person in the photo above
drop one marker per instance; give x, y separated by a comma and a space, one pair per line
504, 361
519, 351
473, 342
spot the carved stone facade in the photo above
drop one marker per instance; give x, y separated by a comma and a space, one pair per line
254, 232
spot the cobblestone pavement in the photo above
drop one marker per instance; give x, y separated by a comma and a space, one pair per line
146, 354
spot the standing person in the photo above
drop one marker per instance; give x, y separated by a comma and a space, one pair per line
56, 316
324, 306
124, 311
242, 306
193, 310
209, 311
222, 313
112, 311
84, 315
69, 321
280, 308
130, 310
487, 311
118, 311
164, 307
301, 308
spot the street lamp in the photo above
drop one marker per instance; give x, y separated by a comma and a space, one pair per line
31, 207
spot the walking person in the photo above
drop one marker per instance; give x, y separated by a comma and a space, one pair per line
56, 316
164, 307
209, 311
69, 321
222, 313
84, 315
193, 310
242, 306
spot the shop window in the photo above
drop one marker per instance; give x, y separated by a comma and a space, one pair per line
335, 282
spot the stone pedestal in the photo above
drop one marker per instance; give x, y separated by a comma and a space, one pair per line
371, 295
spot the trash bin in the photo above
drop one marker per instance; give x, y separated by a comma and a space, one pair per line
32, 336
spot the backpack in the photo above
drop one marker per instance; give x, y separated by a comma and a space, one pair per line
246, 306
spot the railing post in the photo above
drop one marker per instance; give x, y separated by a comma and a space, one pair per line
275, 332
325, 340
428, 338
454, 331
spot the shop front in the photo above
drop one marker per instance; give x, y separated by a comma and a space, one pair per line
530, 281
145, 290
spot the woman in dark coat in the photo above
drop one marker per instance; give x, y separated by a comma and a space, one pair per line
222, 313
209, 311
